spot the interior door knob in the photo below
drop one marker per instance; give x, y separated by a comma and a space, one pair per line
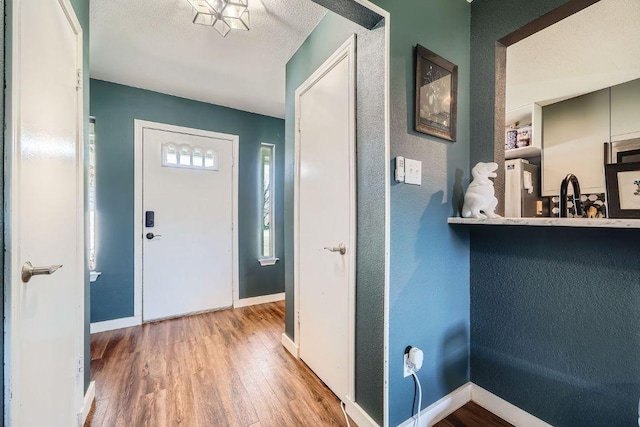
28, 271
340, 248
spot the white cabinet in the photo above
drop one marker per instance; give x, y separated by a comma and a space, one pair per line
573, 137
526, 115
625, 111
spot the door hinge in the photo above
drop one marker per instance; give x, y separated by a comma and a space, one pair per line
78, 78
298, 123
81, 364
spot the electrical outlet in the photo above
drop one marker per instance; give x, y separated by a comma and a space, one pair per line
407, 371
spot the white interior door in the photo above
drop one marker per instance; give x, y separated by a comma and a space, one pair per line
326, 220
188, 252
45, 224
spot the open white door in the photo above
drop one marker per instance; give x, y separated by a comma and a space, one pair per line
325, 204
45, 223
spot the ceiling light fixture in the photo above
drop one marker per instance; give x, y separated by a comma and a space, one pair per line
223, 15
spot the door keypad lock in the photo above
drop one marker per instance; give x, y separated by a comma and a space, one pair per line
149, 219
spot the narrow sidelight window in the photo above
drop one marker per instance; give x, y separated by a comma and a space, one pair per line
267, 170
92, 194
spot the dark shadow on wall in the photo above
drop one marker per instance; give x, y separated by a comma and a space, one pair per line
457, 196
440, 293
562, 400
455, 356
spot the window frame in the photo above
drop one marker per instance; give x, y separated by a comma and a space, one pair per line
92, 202
267, 259
189, 150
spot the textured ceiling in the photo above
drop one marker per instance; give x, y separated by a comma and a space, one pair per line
152, 44
593, 49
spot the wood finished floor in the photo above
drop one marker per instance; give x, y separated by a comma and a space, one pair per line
473, 415
224, 368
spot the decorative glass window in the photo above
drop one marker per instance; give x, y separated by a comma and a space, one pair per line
189, 157
170, 155
267, 170
211, 160
198, 158
184, 157
92, 194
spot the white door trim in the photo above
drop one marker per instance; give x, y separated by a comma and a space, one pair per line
347, 50
471, 392
110, 325
137, 217
12, 278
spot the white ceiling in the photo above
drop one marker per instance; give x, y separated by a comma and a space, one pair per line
152, 44
593, 49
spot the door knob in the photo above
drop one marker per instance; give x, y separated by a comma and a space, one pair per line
152, 236
341, 248
28, 271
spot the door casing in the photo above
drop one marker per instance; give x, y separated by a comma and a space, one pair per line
347, 50
140, 125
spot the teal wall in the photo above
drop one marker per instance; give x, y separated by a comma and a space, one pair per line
555, 322
332, 31
429, 265
115, 107
554, 312
429, 283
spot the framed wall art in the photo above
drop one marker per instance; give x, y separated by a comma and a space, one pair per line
623, 189
436, 95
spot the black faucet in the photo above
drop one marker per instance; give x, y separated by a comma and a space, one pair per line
570, 178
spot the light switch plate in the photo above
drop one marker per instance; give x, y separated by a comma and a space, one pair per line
412, 172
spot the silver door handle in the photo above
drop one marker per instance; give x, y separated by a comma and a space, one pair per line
152, 236
341, 248
29, 271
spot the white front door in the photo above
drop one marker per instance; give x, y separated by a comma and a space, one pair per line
187, 222
325, 233
45, 222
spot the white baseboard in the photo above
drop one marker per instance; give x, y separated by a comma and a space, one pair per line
109, 325
456, 399
245, 302
439, 410
505, 410
358, 415
89, 397
290, 346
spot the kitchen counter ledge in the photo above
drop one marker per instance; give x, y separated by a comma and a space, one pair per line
550, 222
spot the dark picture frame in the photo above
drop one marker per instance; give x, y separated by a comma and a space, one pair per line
628, 156
623, 189
436, 95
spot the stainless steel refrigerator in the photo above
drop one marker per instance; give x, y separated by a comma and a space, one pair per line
522, 189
